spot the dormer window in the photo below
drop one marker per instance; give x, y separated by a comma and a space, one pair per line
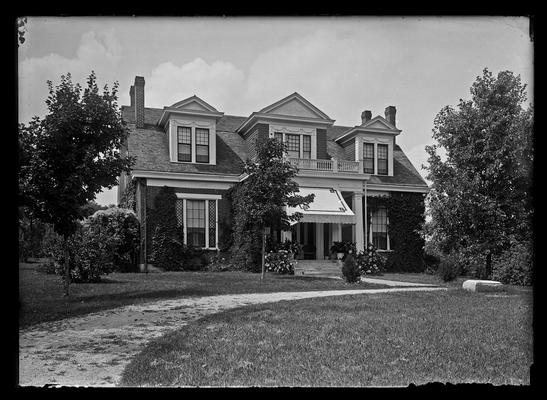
184, 140
202, 145
306, 146
368, 158
298, 146
382, 159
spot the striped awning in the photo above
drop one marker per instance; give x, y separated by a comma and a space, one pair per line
328, 206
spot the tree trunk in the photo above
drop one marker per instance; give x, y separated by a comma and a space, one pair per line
67, 269
263, 245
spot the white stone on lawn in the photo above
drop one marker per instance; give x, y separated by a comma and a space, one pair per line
476, 285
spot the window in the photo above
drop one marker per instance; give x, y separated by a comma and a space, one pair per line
278, 136
382, 159
197, 222
306, 146
378, 229
202, 145
293, 145
184, 140
368, 158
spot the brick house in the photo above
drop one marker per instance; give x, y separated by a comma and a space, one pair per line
199, 151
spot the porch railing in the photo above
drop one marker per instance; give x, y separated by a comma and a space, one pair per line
332, 165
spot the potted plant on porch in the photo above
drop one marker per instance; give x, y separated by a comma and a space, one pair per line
339, 248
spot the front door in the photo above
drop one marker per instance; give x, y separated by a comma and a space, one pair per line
305, 235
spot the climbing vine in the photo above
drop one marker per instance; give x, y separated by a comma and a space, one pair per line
406, 217
129, 196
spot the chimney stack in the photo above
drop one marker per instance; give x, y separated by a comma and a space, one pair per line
390, 114
139, 101
366, 116
132, 96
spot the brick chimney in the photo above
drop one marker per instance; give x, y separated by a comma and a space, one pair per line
366, 116
132, 96
390, 114
139, 101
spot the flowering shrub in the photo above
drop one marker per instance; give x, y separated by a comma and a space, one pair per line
514, 266
280, 262
370, 262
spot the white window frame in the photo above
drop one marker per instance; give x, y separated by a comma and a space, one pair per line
193, 125
359, 145
198, 196
300, 131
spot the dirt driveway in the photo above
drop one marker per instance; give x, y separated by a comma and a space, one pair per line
94, 349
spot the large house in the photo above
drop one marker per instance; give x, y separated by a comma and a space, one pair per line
199, 151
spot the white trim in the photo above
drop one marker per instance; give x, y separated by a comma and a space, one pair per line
207, 223
257, 118
216, 224
184, 224
199, 196
398, 188
298, 97
189, 184
187, 176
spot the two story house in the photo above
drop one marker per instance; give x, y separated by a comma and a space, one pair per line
199, 151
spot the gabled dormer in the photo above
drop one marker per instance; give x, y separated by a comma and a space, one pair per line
372, 142
190, 125
295, 121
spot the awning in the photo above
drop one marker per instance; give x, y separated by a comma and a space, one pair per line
328, 206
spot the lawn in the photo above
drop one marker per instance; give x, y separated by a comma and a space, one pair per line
360, 340
41, 295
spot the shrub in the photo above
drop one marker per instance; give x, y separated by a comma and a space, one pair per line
220, 262
89, 256
370, 262
431, 262
280, 262
449, 267
120, 227
514, 266
47, 267
167, 251
350, 270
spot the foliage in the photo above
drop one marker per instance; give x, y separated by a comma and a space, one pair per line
129, 196
481, 169
21, 30
89, 256
122, 229
288, 245
350, 269
406, 218
91, 208
220, 262
449, 267
515, 265
280, 261
71, 154
370, 262
32, 233
260, 201
343, 247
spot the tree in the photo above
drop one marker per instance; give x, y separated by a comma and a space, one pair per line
21, 30
88, 209
481, 170
260, 200
71, 154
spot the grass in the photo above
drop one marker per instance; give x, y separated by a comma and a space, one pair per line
41, 295
360, 340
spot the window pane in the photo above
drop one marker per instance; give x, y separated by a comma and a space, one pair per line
379, 228
306, 146
293, 145
184, 134
202, 145
195, 222
278, 136
185, 152
382, 152
368, 158
382, 167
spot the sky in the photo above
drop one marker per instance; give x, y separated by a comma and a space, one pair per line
342, 65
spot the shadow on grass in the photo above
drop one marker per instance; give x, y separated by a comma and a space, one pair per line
141, 294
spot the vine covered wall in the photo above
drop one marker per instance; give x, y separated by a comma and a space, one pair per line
406, 214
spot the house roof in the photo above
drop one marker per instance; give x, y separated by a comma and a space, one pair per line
151, 149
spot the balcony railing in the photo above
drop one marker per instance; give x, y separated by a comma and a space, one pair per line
333, 165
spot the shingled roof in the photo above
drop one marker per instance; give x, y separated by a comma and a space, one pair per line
151, 149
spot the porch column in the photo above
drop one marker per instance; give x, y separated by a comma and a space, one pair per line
319, 240
336, 232
359, 226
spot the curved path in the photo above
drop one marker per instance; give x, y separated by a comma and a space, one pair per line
94, 349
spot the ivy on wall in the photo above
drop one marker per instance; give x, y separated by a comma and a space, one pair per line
129, 196
406, 213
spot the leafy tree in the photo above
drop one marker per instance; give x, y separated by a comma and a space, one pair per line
71, 154
21, 30
481, 170
259, 201
87, 210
